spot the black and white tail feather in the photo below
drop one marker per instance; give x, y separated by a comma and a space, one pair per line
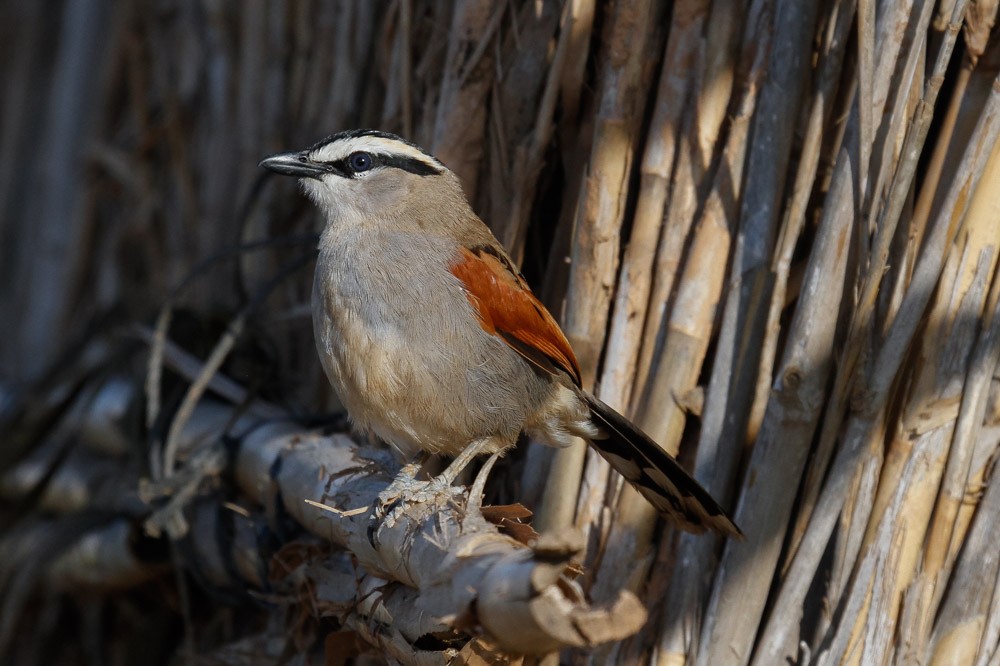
655, 474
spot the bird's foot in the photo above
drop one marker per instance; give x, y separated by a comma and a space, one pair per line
407, 490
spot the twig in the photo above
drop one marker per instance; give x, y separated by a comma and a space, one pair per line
215, 360
190, 367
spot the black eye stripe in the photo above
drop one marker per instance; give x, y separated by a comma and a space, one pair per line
411, 164
338, 167
342, 167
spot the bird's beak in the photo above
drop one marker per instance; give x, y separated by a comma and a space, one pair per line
294, 164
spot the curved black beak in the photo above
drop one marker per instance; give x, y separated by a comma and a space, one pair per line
294, 164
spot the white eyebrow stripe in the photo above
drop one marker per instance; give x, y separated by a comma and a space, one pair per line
341, 148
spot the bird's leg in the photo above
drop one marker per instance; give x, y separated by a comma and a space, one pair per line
406, 489
475, 503
461, 461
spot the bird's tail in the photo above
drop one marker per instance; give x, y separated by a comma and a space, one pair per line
655, 474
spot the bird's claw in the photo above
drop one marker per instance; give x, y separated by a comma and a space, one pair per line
406, 490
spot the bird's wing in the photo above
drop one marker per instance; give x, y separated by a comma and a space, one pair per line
507, 308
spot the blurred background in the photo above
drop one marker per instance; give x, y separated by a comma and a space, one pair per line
770, 230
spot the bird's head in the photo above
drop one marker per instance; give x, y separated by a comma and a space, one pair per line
367, 174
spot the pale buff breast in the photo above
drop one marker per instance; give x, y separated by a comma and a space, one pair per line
417, 369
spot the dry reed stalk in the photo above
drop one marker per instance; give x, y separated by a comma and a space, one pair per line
190, 367
571, 84
212, 364
737, 360
70, 481
600, 212
525, 112
602, 198
745, 573
914, 576
947, 527
690, 323
866, 24
521, 596
460, 123
741, 586
659, 154
895, 461
868, 292
103, 560
876, 477
935, 166
557, 503
979, 19
48, 262
966, 625
636, 275
834, 42
397, 110
714, 64
20, 102
884, 370
927, 426
946, 532
775, 517
406, 66
629, 550
845, 644
27, 552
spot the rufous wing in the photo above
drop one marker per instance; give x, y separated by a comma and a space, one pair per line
507, 308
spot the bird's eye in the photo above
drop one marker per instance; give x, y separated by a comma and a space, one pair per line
360, 162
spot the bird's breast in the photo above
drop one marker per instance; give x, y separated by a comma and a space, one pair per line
405, 352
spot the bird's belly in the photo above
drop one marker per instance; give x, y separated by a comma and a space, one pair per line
417, 384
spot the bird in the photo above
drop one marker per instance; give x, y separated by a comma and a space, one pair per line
432, 338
